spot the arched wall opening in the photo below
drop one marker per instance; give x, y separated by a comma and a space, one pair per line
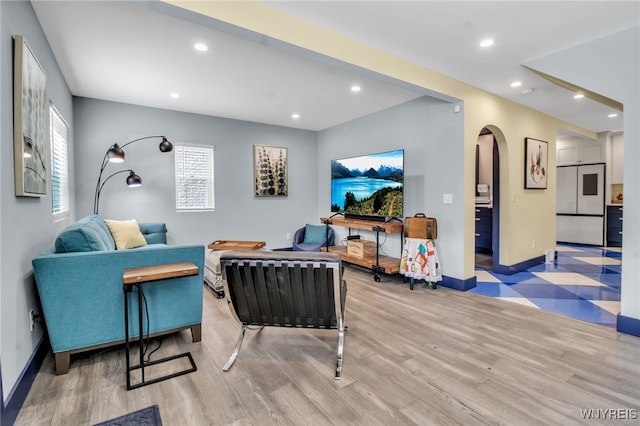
491, 147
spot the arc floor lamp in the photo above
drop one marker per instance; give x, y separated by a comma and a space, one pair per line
115, 154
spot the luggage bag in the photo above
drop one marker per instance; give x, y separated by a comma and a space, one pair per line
420, 226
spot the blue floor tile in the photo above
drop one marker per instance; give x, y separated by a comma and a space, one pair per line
593, 293
572, 299
495, 290
610, 279
545, 290
613, 269
614, 255
580, 309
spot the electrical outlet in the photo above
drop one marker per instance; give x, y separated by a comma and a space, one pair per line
32, 319
288, 236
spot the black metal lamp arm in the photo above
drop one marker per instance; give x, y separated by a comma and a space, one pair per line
96, 194
139, 139
165, 146
99, 189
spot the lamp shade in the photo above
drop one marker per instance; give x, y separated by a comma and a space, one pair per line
115, 154
165, 145
133, 179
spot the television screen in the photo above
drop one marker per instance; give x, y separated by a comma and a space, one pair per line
368, 185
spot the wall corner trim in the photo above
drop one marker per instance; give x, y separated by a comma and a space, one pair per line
19, 393
628, 325
458, 284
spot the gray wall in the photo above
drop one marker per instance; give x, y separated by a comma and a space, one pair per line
431, 135
427, 129
238, 214
26, 224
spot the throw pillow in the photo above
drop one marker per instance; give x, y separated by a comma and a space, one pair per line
126, 234
315, 234
88, 234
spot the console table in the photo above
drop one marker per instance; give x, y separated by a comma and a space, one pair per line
377, 263
136, 277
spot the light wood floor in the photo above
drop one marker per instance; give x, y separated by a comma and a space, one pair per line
411, 357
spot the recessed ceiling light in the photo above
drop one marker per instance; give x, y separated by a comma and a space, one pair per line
486, 42
295, 116
612, 115
578, 96
201, 47
516, 84
527, 91
355, 88
175, 95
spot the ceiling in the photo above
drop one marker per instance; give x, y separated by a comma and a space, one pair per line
140, 52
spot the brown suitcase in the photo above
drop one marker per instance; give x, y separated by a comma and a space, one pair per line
421, 226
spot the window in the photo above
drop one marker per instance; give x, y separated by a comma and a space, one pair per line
194, 177
59, 164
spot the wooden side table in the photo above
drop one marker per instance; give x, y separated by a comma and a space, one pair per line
212, 273
136, 277
236, 245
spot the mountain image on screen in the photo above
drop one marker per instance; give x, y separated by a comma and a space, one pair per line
368, 185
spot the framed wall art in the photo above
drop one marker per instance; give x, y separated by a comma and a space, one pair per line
536, 164
29, 122
270, 171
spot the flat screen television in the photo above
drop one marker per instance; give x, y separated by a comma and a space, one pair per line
369, 185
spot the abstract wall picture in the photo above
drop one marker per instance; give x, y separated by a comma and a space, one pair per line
29, 122
536, 164
270, 171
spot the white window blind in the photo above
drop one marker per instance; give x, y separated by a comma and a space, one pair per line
194, 177
59, 164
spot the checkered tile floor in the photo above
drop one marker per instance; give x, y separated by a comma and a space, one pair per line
583, 283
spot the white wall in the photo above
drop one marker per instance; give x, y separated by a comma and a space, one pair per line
485, 166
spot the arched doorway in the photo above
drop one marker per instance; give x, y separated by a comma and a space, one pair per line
487, 190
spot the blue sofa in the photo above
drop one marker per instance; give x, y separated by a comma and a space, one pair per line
79, 281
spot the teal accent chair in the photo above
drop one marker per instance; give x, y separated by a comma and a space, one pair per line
313, 238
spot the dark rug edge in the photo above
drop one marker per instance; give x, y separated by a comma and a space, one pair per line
146, 416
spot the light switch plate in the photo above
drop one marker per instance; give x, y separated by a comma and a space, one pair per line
447, 198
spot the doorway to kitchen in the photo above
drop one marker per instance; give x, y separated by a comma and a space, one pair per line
487, 201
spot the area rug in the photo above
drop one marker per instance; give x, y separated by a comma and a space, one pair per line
149, 416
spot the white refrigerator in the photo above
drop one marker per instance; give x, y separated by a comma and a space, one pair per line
580, 204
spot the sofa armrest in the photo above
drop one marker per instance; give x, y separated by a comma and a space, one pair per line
82, 294
154, 233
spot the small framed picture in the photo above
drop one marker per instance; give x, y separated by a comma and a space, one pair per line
536, 164
270, 171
